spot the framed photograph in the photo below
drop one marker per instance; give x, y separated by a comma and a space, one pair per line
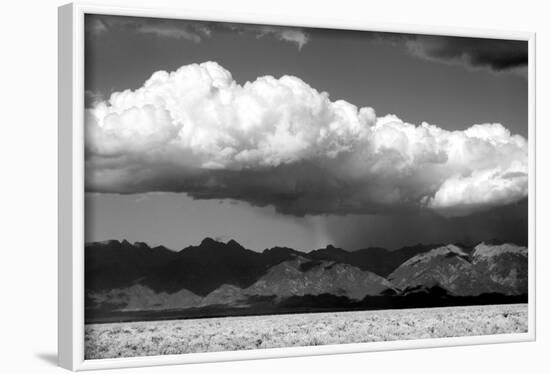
236, 186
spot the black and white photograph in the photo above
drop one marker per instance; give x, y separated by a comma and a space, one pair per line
254, 186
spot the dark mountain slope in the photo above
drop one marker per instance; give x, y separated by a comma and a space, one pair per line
113, 264
200, 269
377, 260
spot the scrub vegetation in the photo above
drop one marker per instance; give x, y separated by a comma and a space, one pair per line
131, 339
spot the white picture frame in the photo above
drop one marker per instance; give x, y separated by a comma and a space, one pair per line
71, 187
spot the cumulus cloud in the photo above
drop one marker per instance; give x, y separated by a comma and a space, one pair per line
461, 194
280, 142
194, 31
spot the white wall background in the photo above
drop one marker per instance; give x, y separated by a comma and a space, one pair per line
28, 186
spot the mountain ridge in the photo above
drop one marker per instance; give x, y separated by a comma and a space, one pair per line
123, 277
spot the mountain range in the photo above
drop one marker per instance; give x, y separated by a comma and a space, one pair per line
136, 281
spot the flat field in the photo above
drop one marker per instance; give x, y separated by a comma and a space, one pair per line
131, 339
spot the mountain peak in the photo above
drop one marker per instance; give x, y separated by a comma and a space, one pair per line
278, 249
141, 245
488, 250
215, 244
234, 243
106, 242
332, 248
208, 241
449, 250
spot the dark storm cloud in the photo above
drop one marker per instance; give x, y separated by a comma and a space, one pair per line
497, 55
494, 54
298, 189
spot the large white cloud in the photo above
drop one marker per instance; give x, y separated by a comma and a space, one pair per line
281, 142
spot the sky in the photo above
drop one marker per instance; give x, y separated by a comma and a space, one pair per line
301, 137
